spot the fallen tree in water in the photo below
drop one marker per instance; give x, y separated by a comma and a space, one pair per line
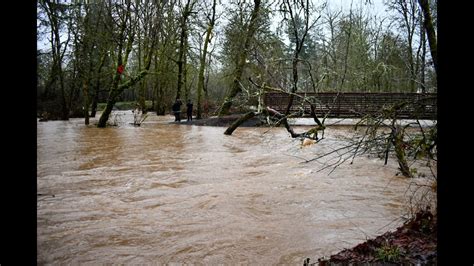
270, 115
282, 119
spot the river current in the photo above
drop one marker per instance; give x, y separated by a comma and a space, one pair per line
167, 193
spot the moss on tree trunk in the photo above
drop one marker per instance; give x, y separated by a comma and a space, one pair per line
400, 153
113, 97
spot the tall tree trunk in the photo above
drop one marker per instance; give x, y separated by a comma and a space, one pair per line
96, 90
64, 105
180, 74
430, 31
202, 62
299, 42
86, 78
182, 46
185, 72
294, 87
113, 93
348, 44
87, 53
239, 69
141, 87
85, 90
157, 90
142, 95
95, 100
400, 153
409, 22
423, 57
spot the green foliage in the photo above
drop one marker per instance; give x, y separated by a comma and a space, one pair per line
124, 105
101, 106
388, 253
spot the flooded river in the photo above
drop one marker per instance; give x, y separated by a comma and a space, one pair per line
167, 193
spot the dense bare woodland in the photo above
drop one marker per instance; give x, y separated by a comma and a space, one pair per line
207, 51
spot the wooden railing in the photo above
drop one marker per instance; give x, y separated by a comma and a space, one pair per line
353, 105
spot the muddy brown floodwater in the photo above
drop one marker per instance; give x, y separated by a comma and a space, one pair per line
166, 193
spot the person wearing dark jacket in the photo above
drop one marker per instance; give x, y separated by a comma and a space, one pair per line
189, 110
177, 110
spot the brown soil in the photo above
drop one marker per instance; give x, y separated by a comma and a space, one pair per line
415, 242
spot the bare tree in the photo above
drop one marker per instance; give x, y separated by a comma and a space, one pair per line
149, 17
53, 10
207, 40
186, 12
299, 13
409, 11
430, 30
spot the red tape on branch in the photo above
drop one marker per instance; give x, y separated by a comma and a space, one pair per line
120, 69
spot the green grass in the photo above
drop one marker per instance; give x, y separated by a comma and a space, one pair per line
388, 253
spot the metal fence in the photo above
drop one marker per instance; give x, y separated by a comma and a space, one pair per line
353, 105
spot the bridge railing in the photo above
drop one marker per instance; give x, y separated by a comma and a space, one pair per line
353, 105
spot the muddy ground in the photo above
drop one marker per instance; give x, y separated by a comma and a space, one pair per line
413, 243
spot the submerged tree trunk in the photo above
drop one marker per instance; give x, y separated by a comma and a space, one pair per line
158, 91
312, 133
106, 113
239, 69
64, 106
141, 96
113, 97
400, 153
95, 98
85, 90
239, 122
